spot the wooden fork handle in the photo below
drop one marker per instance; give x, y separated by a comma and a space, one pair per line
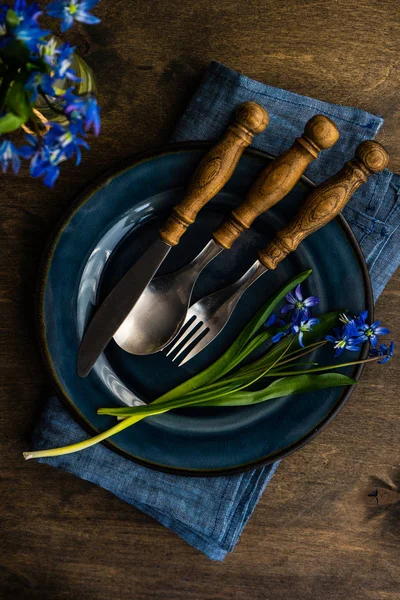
325, 202
215, 169
279, 178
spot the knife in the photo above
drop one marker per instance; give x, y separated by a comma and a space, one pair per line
211, 175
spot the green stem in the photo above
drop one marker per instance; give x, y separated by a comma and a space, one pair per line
248, 371
4, 86
50, 105
306, 350
299, 364
85, 443
326, 368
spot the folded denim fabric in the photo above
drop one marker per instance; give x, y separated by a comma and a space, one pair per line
210, 513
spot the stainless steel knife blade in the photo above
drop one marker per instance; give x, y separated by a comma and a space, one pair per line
118, 304
212, 173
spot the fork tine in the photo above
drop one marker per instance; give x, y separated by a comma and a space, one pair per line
201, 344
182, 334
193, 338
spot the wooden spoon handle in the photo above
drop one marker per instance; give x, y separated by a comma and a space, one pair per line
215, 169
279, 178
325, 202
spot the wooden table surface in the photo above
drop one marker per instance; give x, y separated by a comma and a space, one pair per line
317, 532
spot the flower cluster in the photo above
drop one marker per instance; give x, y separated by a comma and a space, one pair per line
350, 336
298, 311
355, 331
32, 64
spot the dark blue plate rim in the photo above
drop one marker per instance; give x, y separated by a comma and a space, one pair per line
44, 267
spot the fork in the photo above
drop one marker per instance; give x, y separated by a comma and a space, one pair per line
207, 317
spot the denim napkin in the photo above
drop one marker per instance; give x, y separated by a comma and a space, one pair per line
210, 513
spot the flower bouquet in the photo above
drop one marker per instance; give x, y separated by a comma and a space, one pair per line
37, 70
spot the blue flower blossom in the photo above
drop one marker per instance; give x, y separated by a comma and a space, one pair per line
84, 107
303, 327
72, 10
280, 335
9, 154
45, 159
274, 320
59, 58
62, 64
344, 339
39, 83
383, 351
299, 306
49, 52
369, 332
28, 30
67, 139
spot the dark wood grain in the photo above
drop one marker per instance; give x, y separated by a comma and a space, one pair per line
328, 525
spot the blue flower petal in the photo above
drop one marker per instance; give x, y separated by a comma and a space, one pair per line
382, 331
84, 17
338, 352
290, 298
301, 339
287, 308
298, 293
311, 301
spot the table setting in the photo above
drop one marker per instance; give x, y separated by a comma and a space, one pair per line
204, 309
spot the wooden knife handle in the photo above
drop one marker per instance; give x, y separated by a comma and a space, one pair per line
215, 169
325, 202
276, 180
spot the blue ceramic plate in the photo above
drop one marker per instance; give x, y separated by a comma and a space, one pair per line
103, 236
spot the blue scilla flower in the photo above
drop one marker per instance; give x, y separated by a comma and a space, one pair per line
369, 332
344, 339
45, 158
62, 63
298, 306
49, 52
39, 83
28, 30
67, 139
302, 327
9, 154
383, 351
274, 320
72, 10
59, 58
84, 107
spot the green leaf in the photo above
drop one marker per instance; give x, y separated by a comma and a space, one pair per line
228, 360
252, 345
17, 100
286, 386
16, 54
12, 19
10, 122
